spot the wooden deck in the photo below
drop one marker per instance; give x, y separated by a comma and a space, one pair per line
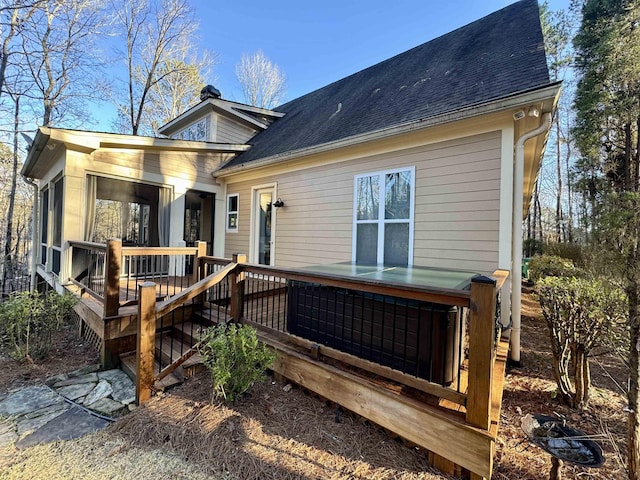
427, 414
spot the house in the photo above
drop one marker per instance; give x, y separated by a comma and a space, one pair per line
426, 160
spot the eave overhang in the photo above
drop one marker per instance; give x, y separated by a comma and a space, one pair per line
546, 97
48, 141
231, 109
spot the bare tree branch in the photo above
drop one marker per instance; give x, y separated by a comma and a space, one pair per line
262, 82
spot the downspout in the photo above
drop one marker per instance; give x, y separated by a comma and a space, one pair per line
34, 229
518, 204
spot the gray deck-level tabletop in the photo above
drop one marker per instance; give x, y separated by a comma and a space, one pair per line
421, 276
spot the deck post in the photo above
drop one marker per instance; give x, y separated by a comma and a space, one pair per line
237, 288
198, 267
481, 352
199, 270
113, 262
145, 341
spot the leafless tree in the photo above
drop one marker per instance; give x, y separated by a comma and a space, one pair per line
157, 33
262, 82
13, 14
178, 88
60, 53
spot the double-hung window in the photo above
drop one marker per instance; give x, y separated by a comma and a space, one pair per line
232, 212
383, 217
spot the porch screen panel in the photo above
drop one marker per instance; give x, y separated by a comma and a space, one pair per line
44, 226
56, 240
57, 213
90, 207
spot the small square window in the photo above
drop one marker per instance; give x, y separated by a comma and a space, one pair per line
232, 212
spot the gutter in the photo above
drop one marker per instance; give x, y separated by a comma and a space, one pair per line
518, 201
513, 101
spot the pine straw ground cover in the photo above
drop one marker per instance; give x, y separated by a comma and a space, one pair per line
530, 389
279, 432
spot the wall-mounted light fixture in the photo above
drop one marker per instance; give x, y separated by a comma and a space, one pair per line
278, 203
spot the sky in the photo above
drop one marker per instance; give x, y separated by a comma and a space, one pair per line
316, 43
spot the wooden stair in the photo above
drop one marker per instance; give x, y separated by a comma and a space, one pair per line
170, 346
212, 315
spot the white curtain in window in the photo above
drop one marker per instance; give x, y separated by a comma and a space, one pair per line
124, 220
90, 207
164, 210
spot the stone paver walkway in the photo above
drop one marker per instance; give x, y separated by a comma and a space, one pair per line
67, 406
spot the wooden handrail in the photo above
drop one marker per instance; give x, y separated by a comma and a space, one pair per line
413, 292
87, 290
169, 305
87, 245
209, 260
157, 251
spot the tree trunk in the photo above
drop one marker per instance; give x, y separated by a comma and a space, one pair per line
633, 423
636, 161
582, 378
628, 136
530, 241
569, 196
539, 218
561, 360
7, 272
559, 173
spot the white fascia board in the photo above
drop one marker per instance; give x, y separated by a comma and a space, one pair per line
232, 108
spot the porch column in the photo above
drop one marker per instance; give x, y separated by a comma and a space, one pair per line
219, 227
177, 216
73, 209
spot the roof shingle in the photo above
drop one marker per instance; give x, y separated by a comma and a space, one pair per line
491, 58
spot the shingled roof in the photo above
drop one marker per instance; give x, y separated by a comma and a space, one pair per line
497, 56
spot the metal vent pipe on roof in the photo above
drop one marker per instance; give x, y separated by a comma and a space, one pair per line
209, 92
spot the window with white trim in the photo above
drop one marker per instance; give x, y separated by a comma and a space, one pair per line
383, 217
232, 212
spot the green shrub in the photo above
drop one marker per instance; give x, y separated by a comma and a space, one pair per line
581, 314
236, 359
29, 319
552, 266
566, 250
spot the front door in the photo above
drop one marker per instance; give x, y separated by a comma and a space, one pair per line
263, 241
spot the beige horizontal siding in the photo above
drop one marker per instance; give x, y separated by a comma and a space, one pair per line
232, 132
186, 166
457, 202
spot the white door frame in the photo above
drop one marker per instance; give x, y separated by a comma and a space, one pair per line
254, 236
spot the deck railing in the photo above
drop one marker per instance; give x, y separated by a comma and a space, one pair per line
438, 341
111, 272
88, 267
417, 336
414, 335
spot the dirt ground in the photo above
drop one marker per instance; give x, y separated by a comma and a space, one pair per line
279, 432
